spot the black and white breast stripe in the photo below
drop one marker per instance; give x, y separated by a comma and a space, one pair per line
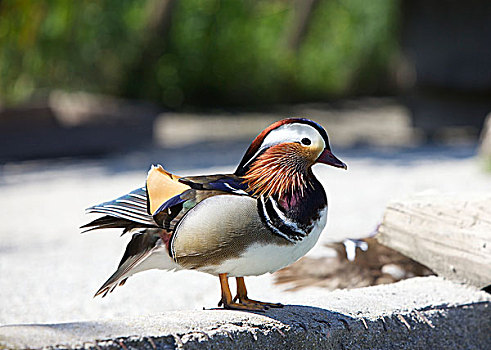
276, 220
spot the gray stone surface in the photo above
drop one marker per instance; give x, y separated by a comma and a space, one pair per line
419, 313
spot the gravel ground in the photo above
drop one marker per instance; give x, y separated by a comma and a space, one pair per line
49, 272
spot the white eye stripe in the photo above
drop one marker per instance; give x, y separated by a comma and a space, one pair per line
293, 133
290, 133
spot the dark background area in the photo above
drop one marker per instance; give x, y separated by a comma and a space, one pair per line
85, 77
180, 53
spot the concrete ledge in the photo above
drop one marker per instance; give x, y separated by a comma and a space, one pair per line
419, 313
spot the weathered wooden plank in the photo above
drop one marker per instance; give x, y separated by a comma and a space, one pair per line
449, 234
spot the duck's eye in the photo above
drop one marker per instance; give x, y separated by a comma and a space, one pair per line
306, 141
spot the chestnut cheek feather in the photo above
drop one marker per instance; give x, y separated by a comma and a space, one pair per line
280, 169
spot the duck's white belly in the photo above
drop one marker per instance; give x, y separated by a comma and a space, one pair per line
260, 258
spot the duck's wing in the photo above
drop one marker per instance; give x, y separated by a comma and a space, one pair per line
199, 188
135, 209
163, 201
153, 212
228, 183
147, 248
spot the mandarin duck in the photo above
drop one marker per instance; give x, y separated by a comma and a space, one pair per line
263, 217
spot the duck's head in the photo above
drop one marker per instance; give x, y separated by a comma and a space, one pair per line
280, 157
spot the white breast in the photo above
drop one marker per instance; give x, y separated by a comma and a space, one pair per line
259, 258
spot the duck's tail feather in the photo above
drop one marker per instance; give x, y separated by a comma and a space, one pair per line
145, 251
113, 222
128, 212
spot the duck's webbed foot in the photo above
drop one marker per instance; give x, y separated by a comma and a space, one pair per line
244, 300
243, 303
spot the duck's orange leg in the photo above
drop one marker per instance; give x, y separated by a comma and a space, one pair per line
244, 300
228, 302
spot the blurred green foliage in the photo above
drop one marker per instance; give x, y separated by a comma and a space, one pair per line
80, 45
216, 52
